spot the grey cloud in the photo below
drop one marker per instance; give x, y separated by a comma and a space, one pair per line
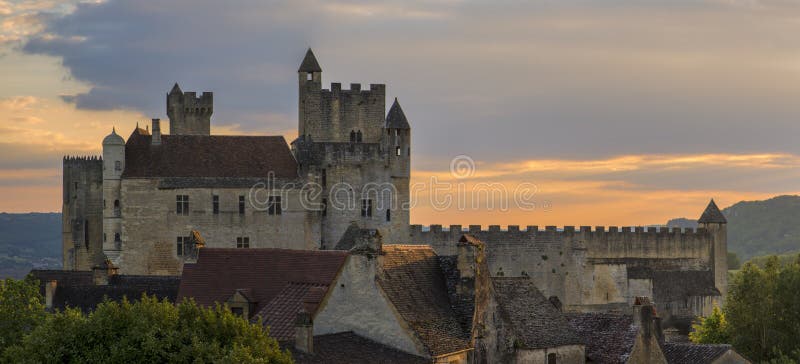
570, 79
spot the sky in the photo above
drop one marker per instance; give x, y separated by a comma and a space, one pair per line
614, 112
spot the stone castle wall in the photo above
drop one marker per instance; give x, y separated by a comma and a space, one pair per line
82, 213
150, 223
330, 115
589, 269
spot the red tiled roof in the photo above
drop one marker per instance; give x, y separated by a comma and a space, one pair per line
414, 283
208, 156
280, 313
267, 274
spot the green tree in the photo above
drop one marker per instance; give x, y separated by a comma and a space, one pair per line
147, 331
761, 315
711, 330
21, 309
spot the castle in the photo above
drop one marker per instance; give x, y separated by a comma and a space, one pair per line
153, 199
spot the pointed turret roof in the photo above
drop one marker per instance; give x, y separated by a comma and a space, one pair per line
396, 119
310, 63
176, 89
712, 214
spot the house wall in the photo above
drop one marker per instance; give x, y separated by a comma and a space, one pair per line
568, 354
357, 304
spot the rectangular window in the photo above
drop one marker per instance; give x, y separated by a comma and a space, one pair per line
324, 207
366, 208
215, 204
397, 151
238, 311
274, 205
324, 177
243, 242
241, 205
182, 204
388, 215
183, 245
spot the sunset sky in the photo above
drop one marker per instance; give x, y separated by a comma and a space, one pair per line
619, 112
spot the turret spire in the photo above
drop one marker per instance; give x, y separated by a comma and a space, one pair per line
712, 214
176, 89
309, 63
396, 119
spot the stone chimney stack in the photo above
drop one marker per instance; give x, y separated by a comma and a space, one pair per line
102, 273
304, 332
644, 316
156, 131
49, 293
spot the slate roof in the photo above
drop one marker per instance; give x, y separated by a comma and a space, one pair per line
309, 63
76, 289
609, 337
208, 156
349, 348
712, 214
681, 353
674, 285
536, 323
414, 283
279, 280
396, 118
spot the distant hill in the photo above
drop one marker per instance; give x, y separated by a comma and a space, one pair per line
758, 228
29, 241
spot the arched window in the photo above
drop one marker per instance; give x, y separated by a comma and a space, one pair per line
352, 136
358, 136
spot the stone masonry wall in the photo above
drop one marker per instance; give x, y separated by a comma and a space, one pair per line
148, 215
82, 219
586, 268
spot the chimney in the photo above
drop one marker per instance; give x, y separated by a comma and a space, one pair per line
644, 315
156, 131
49, 292
102, 273
470, 258
304, 332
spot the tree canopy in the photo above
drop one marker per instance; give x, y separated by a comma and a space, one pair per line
144, 331
761, 315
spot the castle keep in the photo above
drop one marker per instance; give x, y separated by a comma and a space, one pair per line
154, 198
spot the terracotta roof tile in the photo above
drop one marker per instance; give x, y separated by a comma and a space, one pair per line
208, 156
219, 272
414, 283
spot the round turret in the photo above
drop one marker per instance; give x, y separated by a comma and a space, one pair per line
113, 138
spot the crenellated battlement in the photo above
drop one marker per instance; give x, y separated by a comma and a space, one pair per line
82, 160
377, 89
534, 229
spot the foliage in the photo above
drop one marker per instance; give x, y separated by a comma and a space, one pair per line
711, 330
733, 261
146, 331
761, 316
21, 309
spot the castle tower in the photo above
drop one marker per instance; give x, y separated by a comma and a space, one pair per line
81, 213
189, 114
397, 141
113, 167
309, 78
715, 223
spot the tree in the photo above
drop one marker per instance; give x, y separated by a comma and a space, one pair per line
711, 330
21, 309
147, 331
761, 316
